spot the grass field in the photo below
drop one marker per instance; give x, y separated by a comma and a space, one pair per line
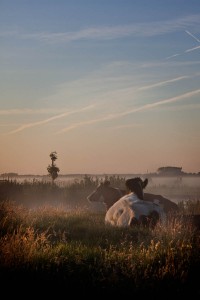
46, 247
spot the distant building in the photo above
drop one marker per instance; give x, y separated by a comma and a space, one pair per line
170, 171
9, 175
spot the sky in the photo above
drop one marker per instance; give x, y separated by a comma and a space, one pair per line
112, 86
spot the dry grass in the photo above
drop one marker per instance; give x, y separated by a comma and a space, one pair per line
61, 245
76, 248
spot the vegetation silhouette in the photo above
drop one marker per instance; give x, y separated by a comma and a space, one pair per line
53, 169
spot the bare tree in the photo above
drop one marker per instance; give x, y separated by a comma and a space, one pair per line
53, 169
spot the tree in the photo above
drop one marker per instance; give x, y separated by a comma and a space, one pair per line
53, 169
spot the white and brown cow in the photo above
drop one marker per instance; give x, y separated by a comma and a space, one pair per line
108, 195
132, 209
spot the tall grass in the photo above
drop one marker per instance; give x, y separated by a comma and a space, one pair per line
73, 250
49, 237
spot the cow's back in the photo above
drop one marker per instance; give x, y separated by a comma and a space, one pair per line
168, 205
128, 208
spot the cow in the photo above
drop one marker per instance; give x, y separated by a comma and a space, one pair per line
106, 194
132, 209
109, 195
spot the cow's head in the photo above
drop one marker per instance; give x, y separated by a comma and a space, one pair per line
97, 195
137, 185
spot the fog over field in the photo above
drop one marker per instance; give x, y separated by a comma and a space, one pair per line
153, 181
174, 188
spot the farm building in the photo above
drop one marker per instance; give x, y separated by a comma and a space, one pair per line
170, 171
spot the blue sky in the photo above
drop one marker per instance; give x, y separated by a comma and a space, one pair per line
112, 86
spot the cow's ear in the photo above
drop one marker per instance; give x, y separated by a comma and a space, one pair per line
145, 182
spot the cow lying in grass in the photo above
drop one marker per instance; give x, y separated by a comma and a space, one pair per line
132, 209
109, 195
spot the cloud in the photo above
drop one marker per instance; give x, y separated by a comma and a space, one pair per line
188, 50
131, 111
192, 36
28, 111
126, 126
89, 122
29, 125
192, 49
162, 83
171, 56
111, 32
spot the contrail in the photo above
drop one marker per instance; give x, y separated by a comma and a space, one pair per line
49, 119
192, 36
192, 49
134, 110
29, 111
188, 50
162, 83
177, 54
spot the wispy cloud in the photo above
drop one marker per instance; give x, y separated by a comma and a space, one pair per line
126, 126
171, 56
131, 111
29, 111
192, 49
8, 125
188, 50
111, 32
29, 125
89, 122
163, 83
192, 35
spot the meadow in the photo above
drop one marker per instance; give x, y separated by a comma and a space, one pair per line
52, 239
